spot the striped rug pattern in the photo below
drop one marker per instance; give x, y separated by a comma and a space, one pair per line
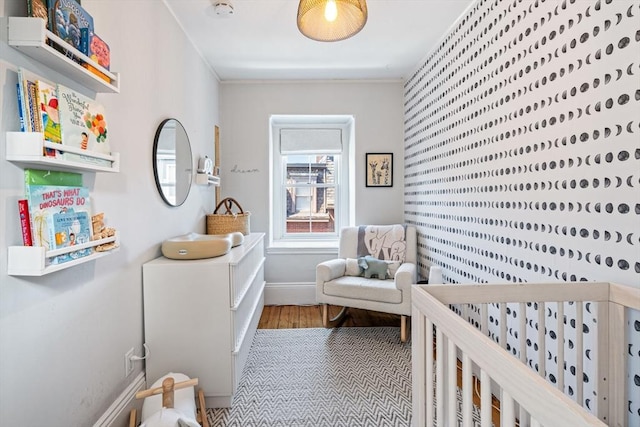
323, 377
343, 377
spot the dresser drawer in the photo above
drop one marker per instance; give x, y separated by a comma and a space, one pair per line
241, 353
243, 273
243, 312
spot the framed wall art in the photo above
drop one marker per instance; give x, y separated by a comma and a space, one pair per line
379, 167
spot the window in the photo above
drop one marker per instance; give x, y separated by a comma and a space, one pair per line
310, 178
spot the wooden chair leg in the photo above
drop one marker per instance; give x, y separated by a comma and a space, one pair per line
203, 409
404, 336
132, 418
330, 323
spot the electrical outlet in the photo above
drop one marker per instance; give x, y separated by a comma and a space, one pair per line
128, 363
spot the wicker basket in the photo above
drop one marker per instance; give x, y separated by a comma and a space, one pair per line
228, 222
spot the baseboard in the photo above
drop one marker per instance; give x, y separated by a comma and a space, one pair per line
290, 294
122, 404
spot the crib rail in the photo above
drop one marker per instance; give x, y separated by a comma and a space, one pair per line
526, 397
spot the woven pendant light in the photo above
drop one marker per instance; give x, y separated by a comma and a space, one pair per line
331, 20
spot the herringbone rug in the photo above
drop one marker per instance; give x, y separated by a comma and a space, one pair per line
343, 377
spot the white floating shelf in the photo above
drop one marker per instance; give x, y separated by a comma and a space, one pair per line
27, 148
32, 260
206, 179
30, 36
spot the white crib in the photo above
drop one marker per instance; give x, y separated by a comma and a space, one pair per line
465, 327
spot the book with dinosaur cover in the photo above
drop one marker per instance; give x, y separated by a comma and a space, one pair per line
49, 193
84, 125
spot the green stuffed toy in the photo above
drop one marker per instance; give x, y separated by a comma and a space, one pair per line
373, 267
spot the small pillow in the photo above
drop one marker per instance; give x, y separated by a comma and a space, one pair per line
352, 268
393, 268
375, 268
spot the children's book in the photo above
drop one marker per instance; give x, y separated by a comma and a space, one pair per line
84, 125
99, 51
49, 116
35, 117
69, 228
49, 193
66, 19
25, 223
22, 113
38, 8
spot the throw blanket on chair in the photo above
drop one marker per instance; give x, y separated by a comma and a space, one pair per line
385, 242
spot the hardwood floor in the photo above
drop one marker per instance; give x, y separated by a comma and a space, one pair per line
310, 316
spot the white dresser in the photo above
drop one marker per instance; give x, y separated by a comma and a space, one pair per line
200, 316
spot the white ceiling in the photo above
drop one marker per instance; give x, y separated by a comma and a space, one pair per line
261, 39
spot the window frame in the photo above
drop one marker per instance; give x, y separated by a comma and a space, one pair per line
344, 177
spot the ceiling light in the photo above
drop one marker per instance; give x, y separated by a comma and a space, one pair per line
331, 20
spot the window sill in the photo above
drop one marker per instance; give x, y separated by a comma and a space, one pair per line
304, 247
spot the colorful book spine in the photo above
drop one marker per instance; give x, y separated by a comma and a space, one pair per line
25, 222
34, 108
21, 112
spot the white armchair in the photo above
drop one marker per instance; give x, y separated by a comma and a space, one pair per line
339, 282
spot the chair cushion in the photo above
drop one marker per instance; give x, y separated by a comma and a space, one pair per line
352, 268
361, 288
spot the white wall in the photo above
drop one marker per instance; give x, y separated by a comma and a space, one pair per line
63, 336
244, 133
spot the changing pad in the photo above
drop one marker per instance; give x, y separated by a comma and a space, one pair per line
197, 246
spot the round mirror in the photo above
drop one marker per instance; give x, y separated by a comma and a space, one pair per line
172, 162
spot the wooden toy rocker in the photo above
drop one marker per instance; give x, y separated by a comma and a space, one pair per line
175, 408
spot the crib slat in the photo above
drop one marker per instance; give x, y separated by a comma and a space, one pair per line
503, 325
560, 345
440, 378
429, 374
485, 400
452, 382
467, 392
484, 319
542, 348
523, 416
507, 415
579, 354
522, 335
421, 344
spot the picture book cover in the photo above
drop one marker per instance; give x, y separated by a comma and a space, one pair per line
70, 228
49, 177
47, 200
84, 124
23, 98
66, 18
48, 114
99, 51
49, 192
